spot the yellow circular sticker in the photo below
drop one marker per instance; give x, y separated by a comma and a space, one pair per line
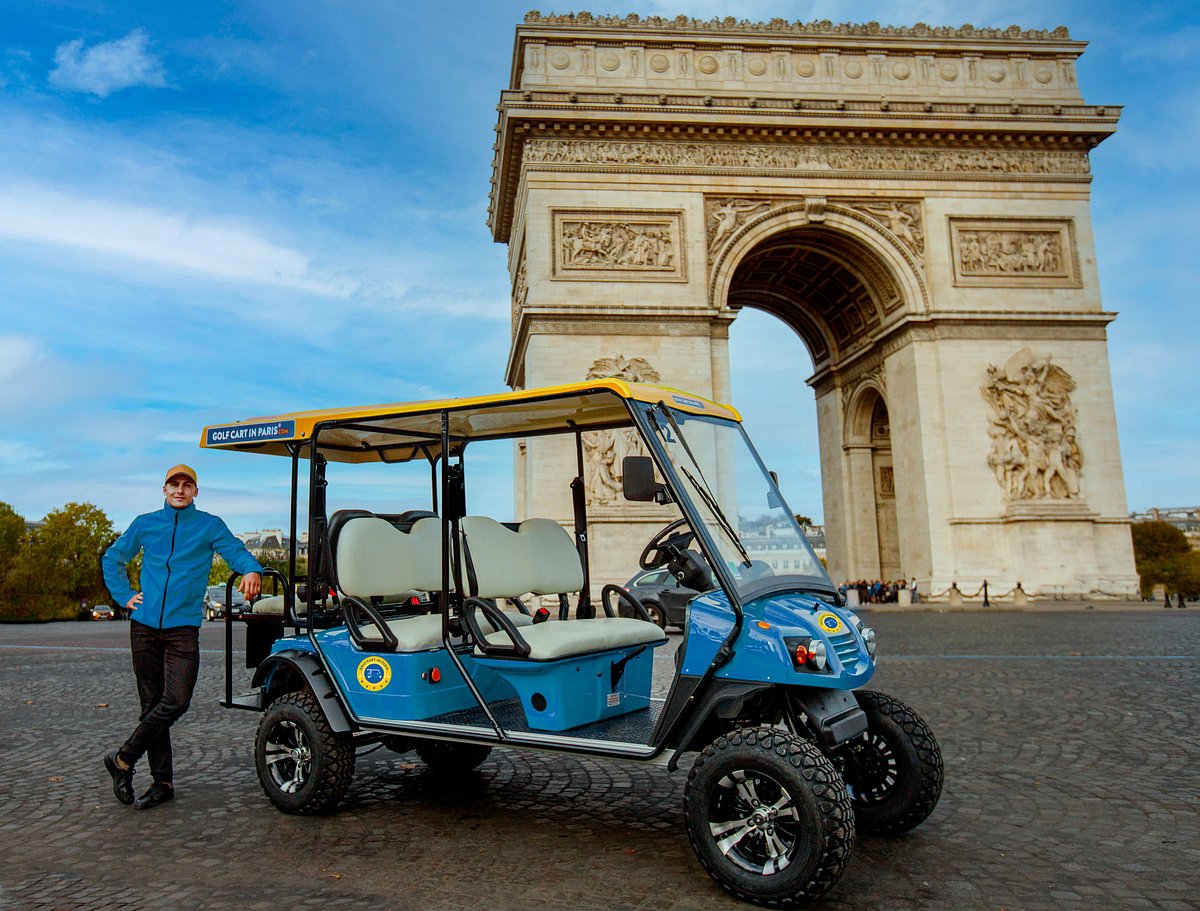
374, 674
829, 623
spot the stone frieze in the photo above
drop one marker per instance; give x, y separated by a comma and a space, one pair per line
1014, 252
800, 157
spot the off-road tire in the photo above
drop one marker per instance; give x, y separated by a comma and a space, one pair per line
295, 720
761, 764
445, 757
894, 771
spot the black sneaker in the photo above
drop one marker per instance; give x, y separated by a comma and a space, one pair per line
160, 792
122, 778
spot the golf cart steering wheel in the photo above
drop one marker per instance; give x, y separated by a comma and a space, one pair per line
665, 545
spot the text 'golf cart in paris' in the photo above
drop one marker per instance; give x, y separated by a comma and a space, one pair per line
449, 632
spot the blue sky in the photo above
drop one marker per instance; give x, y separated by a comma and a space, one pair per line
218, 210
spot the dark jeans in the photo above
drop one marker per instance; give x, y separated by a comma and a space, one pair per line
166, 662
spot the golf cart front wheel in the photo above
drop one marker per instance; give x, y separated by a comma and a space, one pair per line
894, 770
304, 766
769, 817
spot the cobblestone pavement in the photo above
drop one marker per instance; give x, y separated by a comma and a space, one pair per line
1072, 781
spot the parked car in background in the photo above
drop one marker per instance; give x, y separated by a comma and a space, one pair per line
102, 612
214, 602
665, 599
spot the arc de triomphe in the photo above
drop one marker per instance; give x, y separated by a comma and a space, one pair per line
912, 202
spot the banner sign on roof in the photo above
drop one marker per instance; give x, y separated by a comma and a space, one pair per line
249, 433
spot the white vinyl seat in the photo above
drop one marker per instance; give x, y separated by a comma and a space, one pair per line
375, 559
539, 558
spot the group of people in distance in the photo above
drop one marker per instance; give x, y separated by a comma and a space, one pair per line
879, 592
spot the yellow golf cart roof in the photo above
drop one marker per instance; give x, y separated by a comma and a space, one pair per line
401, 431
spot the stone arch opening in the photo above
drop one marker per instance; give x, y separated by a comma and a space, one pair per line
829, 286
838, 292
871, 493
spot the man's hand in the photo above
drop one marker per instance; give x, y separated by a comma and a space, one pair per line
251, 585
134, 603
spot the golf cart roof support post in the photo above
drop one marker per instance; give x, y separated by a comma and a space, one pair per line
315, 545
725, 652
293, 546
579, 506
433, 482
444, 601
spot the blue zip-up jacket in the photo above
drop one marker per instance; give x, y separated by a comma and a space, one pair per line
179, 546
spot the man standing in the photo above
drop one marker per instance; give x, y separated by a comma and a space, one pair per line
178, 542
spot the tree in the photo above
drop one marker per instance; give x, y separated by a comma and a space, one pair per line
1163, 556
66, 555
12, 530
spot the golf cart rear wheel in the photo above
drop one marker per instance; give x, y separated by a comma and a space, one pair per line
443, 756
894, 770
303, 765
769, 817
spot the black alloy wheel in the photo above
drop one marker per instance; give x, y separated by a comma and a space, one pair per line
769, 817
303, 765
894, 770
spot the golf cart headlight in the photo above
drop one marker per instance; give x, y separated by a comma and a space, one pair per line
816, 655
807, 652
868, 637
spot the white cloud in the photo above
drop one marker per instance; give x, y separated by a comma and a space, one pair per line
19, 355
107, 67
173, 240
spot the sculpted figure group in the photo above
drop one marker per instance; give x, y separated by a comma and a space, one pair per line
606, 245
1034, 451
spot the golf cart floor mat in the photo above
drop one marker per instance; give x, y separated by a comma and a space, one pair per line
634, 727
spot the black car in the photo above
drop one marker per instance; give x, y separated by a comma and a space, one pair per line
665, 599
214, 602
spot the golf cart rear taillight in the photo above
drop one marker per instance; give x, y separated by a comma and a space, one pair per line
807, 653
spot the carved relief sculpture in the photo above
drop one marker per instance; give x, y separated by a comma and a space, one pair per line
801, 157
1034, 452
724, 216
902, 219
605, 450
1000, 252
520, 289
624, 244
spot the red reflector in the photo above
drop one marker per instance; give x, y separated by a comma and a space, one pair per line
435, 675
802, 654
414, 600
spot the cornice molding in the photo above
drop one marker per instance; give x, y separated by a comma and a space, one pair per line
777, 27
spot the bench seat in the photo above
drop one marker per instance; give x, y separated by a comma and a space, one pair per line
424, 632
568, 638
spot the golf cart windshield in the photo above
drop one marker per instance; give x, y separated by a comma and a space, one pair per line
753, 533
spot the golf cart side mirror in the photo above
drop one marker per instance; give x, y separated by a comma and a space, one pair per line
773, 501
637, 481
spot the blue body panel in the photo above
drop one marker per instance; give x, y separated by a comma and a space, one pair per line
578, 690
761, 655
389, 686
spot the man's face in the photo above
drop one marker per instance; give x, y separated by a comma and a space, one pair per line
180, 491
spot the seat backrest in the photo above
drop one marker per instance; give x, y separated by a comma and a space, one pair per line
377, 560
556, 561
501, 563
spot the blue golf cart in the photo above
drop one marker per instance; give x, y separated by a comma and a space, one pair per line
450, 633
